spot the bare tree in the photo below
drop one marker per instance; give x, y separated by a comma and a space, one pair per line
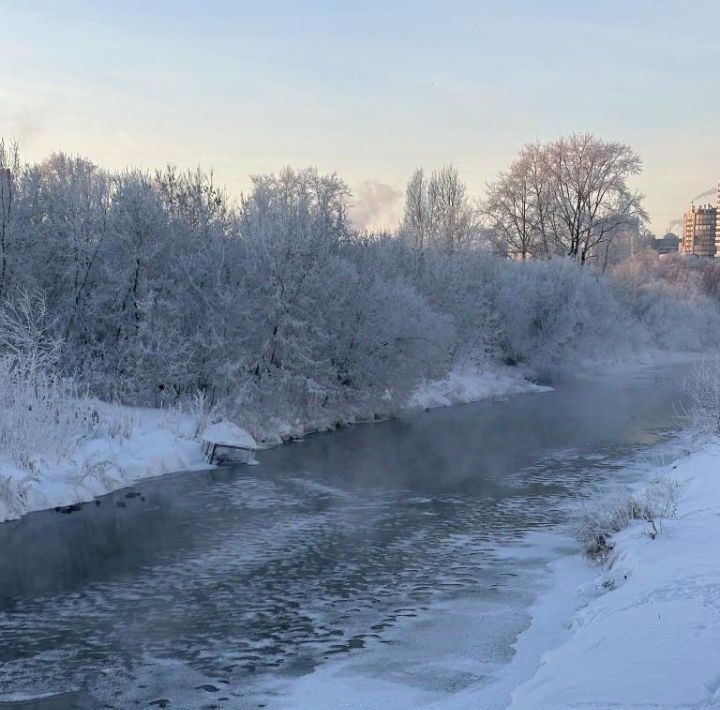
590, 197
515, 206
569, 196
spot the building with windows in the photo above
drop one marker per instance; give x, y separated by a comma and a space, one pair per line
717, 223
700, 231
668, 244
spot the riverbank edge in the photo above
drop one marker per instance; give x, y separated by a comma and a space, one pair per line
642, 630
142, 443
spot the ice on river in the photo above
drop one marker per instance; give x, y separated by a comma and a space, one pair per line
344, 568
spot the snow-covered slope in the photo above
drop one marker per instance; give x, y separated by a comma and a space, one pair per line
129, 444
465, 385
649, 634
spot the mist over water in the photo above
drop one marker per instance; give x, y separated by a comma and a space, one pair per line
219, 588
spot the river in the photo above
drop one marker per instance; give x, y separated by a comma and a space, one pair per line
405, 554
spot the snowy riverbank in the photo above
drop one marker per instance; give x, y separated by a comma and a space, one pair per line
465, 385
648, 628
123, 445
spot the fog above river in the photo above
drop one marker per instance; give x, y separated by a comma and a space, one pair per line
242, 579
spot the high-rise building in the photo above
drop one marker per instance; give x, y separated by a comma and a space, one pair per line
717, 223
700, 231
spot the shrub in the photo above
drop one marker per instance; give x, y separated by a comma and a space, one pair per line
42, 413
596, 525
557, 315
702, 409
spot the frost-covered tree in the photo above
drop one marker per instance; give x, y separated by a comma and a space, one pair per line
9, 170
438, 211
154, 287
416, 219
292, 224
66, 218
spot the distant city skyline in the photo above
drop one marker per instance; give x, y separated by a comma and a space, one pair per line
368, 90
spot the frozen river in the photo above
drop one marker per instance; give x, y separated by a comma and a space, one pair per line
384, 565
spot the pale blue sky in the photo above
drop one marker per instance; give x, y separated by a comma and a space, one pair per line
369, 89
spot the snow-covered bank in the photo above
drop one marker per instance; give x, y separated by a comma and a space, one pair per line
122, 445
126, 445
447, 657
649, 630
462, 386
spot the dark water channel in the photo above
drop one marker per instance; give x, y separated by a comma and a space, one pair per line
199, 589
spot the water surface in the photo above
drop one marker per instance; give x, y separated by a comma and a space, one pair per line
219, 588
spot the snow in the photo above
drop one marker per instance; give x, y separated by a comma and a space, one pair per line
464, 385
643, 632
648, 632
225, 433
446, 658
130, 444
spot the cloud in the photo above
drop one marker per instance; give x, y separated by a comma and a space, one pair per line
376, 205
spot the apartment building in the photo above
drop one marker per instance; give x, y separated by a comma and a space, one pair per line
700, 231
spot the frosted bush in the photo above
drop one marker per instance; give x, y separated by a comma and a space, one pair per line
673, 300
41, 414
597, 524
160, 285
702, 409
557, 315
202, 410
118, 425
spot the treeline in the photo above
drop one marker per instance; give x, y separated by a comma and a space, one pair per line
153, 287
568, 197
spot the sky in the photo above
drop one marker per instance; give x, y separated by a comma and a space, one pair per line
370, 90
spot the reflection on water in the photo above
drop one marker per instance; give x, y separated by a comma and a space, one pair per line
209, 582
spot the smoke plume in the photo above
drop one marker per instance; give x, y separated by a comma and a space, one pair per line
375, 206
708, 193
28, 123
